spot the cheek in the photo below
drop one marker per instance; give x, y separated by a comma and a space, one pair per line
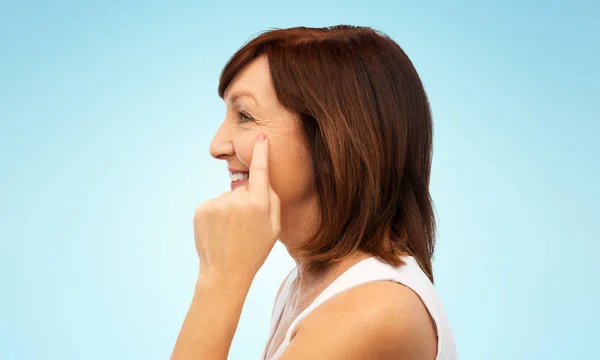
290, 170
243, 145
291, 173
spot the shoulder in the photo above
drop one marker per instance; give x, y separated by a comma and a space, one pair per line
381, 319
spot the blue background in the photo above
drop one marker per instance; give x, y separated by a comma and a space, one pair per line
106, 114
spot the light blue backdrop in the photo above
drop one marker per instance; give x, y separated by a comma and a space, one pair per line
106, 114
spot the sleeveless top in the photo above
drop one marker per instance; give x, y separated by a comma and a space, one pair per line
368, 270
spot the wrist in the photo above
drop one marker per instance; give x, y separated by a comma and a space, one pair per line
223, 283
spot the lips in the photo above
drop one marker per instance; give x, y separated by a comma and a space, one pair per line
237, 184
238, 177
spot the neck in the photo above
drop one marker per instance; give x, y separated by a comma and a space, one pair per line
297, 224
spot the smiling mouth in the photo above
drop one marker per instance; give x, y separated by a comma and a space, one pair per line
238, 176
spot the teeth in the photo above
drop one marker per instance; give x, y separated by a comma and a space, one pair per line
238, 176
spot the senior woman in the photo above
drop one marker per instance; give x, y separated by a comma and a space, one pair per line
328, 139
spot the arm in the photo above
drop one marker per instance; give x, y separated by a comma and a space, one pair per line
234, 233
212, 319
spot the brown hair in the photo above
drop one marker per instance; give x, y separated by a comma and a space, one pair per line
368, 129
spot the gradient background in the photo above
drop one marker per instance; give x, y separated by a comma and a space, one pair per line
106, 114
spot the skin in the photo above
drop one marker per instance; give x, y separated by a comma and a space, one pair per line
290, 173
235, 232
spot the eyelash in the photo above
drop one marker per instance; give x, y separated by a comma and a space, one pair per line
243, 117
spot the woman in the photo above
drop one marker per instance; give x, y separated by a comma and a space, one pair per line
328, 139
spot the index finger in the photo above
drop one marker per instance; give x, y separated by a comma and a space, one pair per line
259, 166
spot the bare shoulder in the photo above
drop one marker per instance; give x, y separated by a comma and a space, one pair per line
377, 320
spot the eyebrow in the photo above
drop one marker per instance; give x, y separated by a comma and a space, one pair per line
239, 94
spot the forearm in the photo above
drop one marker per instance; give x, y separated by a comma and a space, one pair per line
211, 321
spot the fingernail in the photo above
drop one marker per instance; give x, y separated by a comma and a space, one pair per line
261, 137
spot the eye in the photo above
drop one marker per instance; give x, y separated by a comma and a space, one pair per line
242, 117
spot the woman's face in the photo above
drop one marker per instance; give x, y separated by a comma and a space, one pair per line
252, 107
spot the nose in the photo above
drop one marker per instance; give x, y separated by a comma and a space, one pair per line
221, 146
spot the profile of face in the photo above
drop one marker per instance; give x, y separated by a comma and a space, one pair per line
252, 107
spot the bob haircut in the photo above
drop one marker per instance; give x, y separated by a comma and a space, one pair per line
367, 125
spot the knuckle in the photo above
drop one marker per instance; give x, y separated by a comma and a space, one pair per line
242, 199
201, 213
221, 206
240, 189
200, 210
259, 205
210, 207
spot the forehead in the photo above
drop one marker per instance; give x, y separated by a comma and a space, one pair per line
253, 80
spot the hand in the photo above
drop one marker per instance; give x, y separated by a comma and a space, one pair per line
235, 232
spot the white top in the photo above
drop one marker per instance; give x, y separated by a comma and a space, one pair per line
368, 270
